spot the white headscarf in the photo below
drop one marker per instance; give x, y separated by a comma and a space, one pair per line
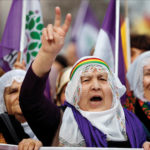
135, 75
5, 81
111, 122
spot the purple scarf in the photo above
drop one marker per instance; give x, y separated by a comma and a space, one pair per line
95, 138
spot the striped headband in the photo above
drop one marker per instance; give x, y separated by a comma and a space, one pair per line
87, 61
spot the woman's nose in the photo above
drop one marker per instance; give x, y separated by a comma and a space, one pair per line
17, 94
96, 85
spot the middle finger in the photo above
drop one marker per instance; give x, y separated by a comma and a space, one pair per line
57, 17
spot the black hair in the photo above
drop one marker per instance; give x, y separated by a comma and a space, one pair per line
140, 41
62, 60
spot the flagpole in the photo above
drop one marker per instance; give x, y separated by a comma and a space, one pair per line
117, 36
22, 30
127, 33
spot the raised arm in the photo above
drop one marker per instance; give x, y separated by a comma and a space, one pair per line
41, 114
52, 42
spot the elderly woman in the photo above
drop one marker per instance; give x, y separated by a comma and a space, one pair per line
138, 100
13, 126
94, 117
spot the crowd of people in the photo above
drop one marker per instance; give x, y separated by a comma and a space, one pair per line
83, 108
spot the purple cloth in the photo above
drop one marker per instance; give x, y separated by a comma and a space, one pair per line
134, 129
109, 26
95, 138
121, 68
4, 65
11, 36
109, 23
92, 136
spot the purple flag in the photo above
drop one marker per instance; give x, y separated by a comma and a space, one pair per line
23, 30
4, 65
105, 45
11, 35
85, 30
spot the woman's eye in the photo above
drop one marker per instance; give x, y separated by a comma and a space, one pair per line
103, 79
85, 80
147, 74
13, 91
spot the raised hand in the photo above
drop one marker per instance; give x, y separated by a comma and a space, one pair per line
52, 42
54, 35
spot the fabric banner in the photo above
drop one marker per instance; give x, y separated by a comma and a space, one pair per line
14, 147
10, 42
33, 32
33, 25
85, 30
11, 35
105, 45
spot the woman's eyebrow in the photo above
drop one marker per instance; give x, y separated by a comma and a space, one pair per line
13, 87
103, 74
85, 76
147, 70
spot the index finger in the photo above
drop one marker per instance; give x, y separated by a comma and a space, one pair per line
67, 23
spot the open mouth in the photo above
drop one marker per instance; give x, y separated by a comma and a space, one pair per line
96, 98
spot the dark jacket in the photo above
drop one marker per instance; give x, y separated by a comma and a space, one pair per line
15, 135
41, 114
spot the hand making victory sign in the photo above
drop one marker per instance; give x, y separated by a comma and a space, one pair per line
52, 42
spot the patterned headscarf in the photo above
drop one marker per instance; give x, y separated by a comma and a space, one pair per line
111, 122
87, 63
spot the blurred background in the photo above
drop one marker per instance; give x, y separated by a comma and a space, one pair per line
139, 12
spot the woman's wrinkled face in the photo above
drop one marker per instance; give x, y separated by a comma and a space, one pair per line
96, 94
146, 81
11, 97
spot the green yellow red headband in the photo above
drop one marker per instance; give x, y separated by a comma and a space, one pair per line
87, 61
